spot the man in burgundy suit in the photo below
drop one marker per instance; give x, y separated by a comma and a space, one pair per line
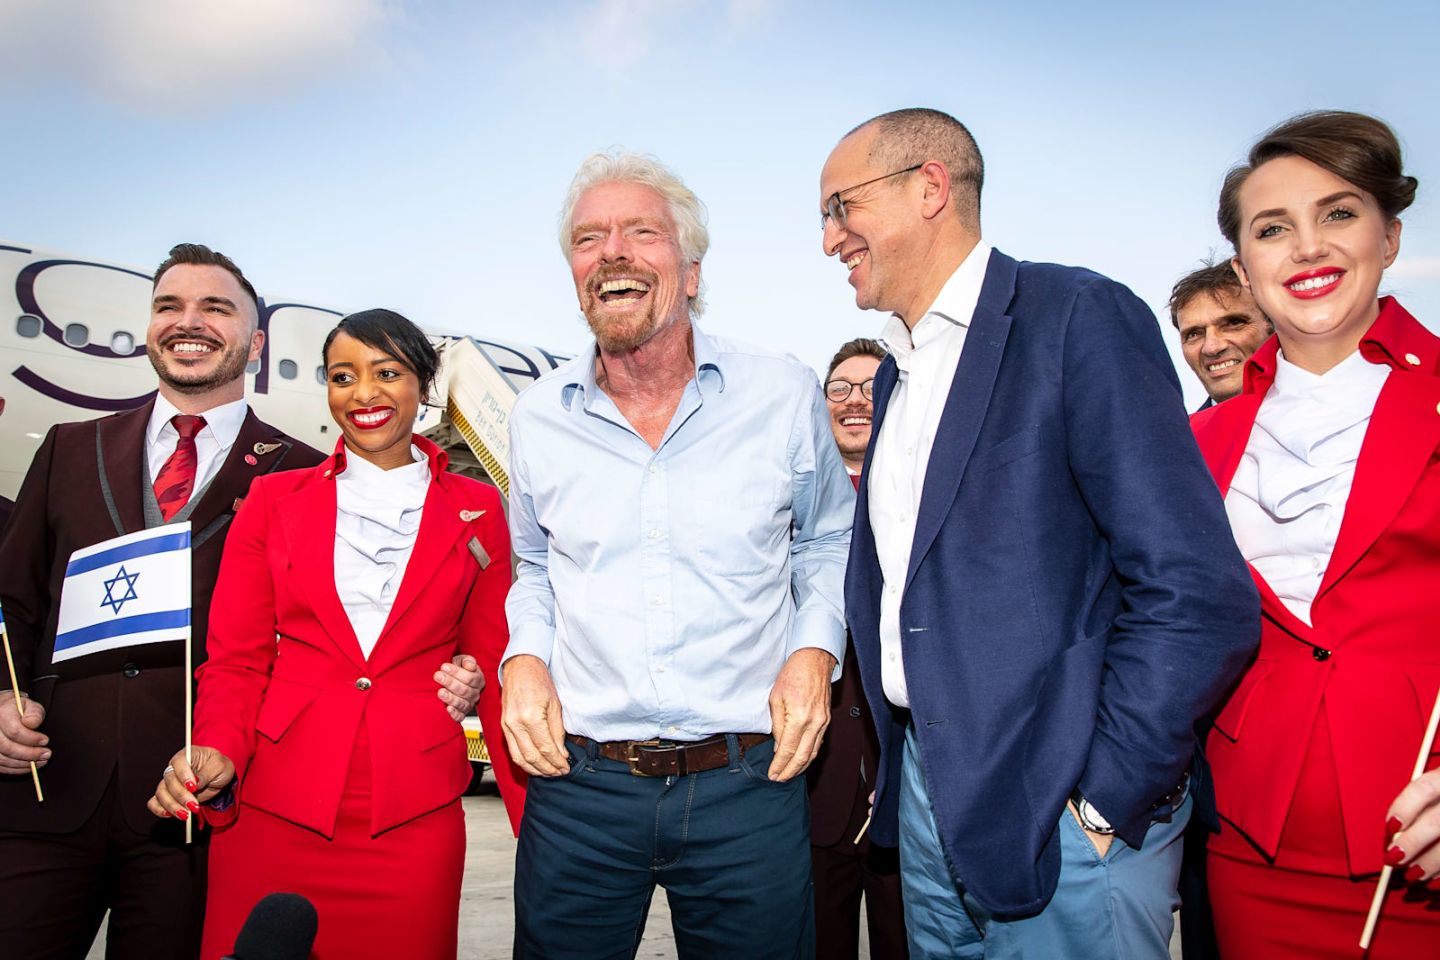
843, 775
103, 726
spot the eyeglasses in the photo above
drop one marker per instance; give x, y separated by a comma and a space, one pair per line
835, 207
838, 391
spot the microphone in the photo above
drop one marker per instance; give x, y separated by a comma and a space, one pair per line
281, 927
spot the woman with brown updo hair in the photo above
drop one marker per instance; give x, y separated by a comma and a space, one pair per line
1328, 464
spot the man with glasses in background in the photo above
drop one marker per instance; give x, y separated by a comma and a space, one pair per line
844, 862
1038, 604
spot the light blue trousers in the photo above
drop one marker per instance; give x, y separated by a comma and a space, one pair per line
1117, 906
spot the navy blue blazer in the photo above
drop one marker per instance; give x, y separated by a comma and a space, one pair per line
1075, 601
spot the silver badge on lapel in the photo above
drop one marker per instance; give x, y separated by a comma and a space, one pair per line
263, 448
478, 552
467, 515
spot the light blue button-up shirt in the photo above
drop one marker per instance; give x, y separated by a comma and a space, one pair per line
665, 588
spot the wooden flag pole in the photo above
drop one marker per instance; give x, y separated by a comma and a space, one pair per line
1379, 899
19, 704
189, 722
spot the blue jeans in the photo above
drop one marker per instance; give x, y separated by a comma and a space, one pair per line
1117, 906
730, 847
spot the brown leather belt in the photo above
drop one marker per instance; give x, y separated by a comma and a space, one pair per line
667, 758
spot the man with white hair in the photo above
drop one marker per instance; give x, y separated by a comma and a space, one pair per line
682, 520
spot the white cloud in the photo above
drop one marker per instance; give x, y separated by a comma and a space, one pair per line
157, 55
1415, 268
616, 34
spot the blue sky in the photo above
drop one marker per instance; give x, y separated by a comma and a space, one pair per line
357, 153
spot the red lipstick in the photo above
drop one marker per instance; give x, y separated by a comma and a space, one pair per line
374, 417
1309, 291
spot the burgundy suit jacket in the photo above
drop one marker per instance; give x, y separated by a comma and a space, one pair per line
286, 688
1370, 664
843, 773
120, 709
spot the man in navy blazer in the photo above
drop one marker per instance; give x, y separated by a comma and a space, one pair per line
1043, 591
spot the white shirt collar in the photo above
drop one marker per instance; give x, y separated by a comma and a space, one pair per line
222, 422
1349, 380
358, 468
954, 306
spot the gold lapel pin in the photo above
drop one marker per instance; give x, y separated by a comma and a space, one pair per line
468, 515
263, 448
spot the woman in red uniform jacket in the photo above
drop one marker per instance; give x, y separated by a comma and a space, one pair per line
1328, 464
341, 589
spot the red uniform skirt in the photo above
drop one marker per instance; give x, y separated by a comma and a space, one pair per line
395, 895
1299, 907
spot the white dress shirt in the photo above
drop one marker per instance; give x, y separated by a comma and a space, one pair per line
926, 357
377, 518
212, 443
1288, 495
666, 587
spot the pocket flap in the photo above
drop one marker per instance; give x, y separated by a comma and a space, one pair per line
1425, 680
436, 726
1232, 714
284, 701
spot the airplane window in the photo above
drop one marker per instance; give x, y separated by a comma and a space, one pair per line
288, 370
122, 343
320, 375
28, 325
77, 334
253, 367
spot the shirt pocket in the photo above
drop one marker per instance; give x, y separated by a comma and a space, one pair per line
740, 522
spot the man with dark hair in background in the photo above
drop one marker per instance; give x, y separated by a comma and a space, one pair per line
845, 864
103, 726
1220, 325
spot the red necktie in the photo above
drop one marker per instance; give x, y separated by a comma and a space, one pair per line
177, 478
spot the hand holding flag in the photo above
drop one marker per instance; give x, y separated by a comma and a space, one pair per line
188, 783
20, 737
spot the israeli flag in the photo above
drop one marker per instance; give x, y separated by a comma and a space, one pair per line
125, 592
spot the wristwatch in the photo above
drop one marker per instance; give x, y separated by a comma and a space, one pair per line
1090, 818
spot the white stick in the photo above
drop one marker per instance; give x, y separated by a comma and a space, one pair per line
863, 827
1379, 899
19, 705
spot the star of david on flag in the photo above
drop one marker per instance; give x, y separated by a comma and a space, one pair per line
124, 592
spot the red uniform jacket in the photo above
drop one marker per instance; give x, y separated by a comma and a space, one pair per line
1371, 662
286, 687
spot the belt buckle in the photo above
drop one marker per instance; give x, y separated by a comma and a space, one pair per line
632, 757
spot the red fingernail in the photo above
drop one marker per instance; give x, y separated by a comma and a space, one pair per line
190, 785
1392, 826
181, 815
1414, 874
192, 806
164, 813
1394, 855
